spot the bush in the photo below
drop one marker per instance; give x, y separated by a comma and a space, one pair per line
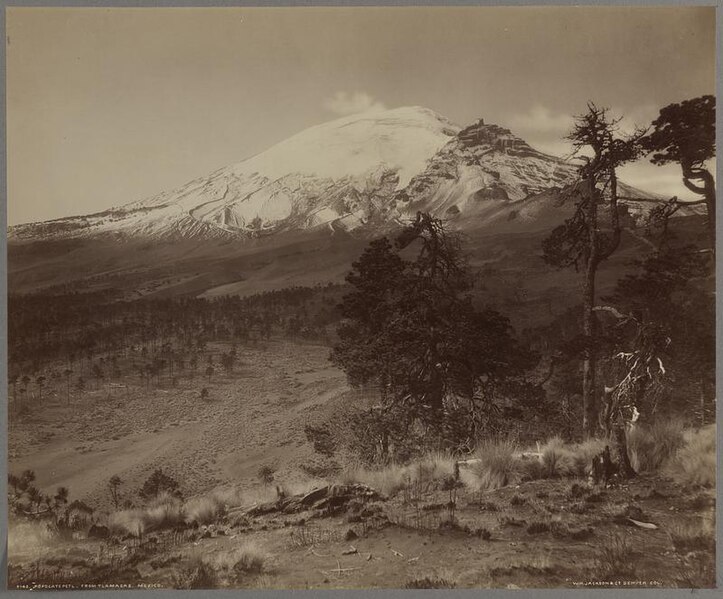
266, 474
157, 483
695, 463
497, 465
651, 446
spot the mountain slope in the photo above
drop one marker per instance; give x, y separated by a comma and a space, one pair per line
343, 171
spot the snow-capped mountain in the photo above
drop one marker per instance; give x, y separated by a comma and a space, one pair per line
359, 172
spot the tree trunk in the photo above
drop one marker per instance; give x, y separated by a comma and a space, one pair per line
708, 193
624, 467
589, 405
710, 208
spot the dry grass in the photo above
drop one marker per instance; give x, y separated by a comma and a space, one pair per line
695, 463
615, 560
651, 446
395, 477
167, 511
203, 510
498, 465
556, 458
249, 559
560, 459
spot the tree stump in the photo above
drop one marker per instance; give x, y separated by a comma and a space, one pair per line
603, 468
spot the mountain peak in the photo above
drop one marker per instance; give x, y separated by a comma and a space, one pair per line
361, 170
491, 137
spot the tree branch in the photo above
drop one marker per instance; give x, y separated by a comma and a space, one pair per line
614, 311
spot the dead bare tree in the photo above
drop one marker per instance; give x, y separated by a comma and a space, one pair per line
582, 241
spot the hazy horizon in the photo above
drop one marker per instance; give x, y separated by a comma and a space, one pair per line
109, 106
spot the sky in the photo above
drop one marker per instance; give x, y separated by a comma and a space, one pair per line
107, 106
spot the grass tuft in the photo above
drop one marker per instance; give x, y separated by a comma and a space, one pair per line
651, 446
615, 560
393, 478
498, 465
695, 462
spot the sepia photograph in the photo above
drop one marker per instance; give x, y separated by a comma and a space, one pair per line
344, 297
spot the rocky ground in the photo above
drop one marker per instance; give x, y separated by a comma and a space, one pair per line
547, 533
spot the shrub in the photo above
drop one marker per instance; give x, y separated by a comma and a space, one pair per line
321, 438
651, 446
497, 465
266, 474
157, 483
695, 463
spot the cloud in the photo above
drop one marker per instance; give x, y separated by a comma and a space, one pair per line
543, 129
542, 120
344, 103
